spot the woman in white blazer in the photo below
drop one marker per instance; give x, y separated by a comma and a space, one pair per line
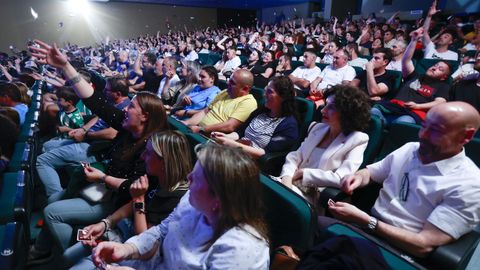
333, 148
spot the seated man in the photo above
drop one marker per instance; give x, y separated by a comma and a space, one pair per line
439, 50
398, 49
10, 97
468, 89
229, 109
430, 188
231, 63
116, 90
302, 76
339, 72
167, 87
375, 81
419, 93
145, 68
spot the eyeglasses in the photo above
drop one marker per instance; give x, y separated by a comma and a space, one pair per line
404, 187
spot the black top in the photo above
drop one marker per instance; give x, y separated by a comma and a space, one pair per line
160, 203
386, 78
152, 81
421, 89
257, 70
118, 166
467, 91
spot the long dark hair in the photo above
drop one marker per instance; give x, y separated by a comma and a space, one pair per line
285, 89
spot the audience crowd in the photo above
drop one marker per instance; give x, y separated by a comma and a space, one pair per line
104, 112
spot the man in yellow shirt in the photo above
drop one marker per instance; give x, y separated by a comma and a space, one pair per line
229, 109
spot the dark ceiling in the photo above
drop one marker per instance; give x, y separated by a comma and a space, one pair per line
240, 4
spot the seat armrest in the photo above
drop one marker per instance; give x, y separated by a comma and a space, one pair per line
455, 255
271, 163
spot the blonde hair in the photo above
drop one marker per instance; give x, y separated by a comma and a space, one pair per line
234, 178
174, 148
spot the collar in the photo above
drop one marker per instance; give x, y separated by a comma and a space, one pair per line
445, 166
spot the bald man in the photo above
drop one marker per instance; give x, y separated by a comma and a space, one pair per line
431, 191
229, 109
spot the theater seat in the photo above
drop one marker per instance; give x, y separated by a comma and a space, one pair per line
291, 219
12, 246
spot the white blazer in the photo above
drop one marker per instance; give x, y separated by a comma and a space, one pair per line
342, 157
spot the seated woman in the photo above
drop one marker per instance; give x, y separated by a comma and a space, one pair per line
189, 80
167, 158
272, 128
144, 116
263, 72
218, 224
253, 60
333, 148
200, 96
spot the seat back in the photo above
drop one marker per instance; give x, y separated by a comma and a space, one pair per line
222, 84
375, 132
177, 125
213, 58
305, 110
258, 94
396, 85
397, 135
12, 246
203, 58
472, 150
291, 219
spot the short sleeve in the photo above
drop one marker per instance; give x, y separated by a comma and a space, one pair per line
244, 109
349, 74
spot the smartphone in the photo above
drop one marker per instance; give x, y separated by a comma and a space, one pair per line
84, 164
82, 235
330, 202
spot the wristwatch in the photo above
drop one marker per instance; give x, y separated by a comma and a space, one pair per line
139, 206
372, 224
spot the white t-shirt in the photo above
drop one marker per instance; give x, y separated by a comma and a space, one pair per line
394, 65
231, 65
170, 93
358, 62
309, 74
431, 53
331, 76
445, 193
191, 56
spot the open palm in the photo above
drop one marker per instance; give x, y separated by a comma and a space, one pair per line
47, 54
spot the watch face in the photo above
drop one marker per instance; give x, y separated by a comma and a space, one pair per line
139, 206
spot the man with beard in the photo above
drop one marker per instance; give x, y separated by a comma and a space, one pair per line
430, 189
419, 93
468, 90
145, 68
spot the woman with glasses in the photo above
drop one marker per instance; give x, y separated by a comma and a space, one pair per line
333, 148
167, 159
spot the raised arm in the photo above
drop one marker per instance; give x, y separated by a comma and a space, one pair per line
426, 24
407, 64
51, 55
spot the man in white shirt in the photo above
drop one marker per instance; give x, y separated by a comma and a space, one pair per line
355, 60
398, 49
232, 63
339, 72
166, 90
302, 76
389, 38
192, 54
439, 50
430, 189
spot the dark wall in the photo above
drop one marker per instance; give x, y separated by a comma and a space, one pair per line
234, 17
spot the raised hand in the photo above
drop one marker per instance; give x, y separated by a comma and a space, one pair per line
433, 9
47, 54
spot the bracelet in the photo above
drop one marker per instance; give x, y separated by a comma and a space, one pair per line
84, 129
108, 224
185, 113
103, 178
74, 80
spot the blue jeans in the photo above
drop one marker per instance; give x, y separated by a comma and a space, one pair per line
56, 143
57, 158
392, 118
62, 216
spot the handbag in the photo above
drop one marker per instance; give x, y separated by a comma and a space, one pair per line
284, 258
96, 193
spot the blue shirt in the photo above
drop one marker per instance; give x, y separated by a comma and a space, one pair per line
201, 98
22, 110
